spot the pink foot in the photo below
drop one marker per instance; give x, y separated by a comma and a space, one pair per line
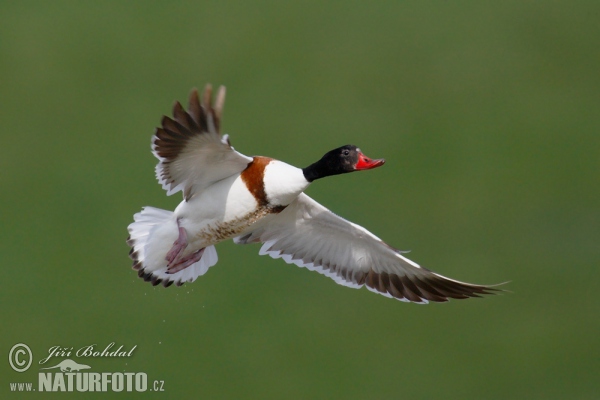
185, 262
178, 246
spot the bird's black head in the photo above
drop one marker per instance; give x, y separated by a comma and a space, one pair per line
344, 159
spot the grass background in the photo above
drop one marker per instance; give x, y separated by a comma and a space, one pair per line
488, 116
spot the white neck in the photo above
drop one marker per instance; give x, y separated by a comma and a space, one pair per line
283, 182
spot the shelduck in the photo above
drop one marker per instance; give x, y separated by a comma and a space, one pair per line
227, 195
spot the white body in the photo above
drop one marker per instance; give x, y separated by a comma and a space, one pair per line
221, 211
227, 209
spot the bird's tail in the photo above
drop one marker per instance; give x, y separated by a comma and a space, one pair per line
151, 236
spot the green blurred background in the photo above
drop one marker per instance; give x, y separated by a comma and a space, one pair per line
488, 114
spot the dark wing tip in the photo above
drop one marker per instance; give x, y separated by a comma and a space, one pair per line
213, 112
434, 288
219, 104
173, 134
449, 288
202, 115
207, 95
194, 107
185, 118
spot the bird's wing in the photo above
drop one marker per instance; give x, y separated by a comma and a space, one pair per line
309, 235
192, 153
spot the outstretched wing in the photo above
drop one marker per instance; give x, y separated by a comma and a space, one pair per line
309, 235
192, 153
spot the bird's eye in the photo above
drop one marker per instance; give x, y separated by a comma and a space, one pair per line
346, 152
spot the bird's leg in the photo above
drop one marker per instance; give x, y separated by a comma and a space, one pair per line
185, 262
178, 246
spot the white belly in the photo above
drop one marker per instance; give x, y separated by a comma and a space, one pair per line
220, 212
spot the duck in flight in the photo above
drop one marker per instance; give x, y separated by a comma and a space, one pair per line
227, 195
